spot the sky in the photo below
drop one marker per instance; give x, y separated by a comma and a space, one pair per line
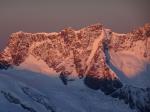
54, 15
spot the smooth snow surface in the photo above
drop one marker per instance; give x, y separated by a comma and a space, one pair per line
35, 65
130, 68
49, 90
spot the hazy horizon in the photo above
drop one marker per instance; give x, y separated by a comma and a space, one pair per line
53, 15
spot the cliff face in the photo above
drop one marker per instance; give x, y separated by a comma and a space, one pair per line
78, 43
79, 53
136, 41
69, 39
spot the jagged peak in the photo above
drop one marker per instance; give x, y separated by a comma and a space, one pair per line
143, 31
27, 33
93, 27
20, 39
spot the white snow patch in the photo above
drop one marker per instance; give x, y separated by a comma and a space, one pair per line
35, 65
135, 69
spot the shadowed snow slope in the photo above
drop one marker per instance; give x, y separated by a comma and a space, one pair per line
23, 91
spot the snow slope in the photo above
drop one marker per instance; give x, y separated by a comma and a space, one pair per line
131, 69
36, 65
25, 91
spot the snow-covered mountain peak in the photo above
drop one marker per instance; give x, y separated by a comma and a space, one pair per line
70, 53
117, 64
76, 52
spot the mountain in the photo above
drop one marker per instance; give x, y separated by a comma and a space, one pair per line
117, 65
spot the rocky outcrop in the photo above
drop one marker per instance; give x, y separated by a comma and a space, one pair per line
54, 48
137, 98
137, 41
106, 85
4, 64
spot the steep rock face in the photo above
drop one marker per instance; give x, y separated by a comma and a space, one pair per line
76, 43
76, 52
70, 53
137, 41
